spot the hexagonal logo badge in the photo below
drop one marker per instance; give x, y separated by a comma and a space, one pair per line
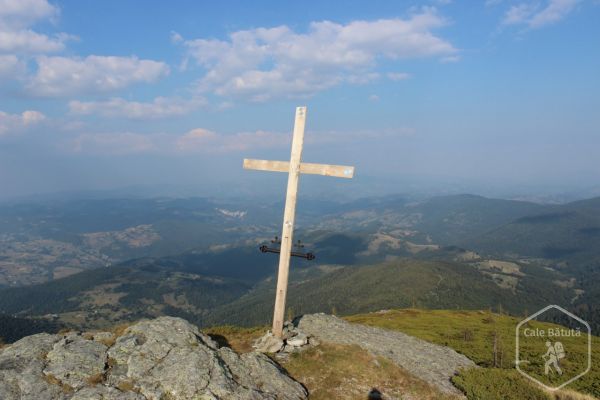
550, 354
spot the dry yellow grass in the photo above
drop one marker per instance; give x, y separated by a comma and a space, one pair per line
126, 386
332, 371
95, 379
238, 339
120, 329
51, 379
569, 395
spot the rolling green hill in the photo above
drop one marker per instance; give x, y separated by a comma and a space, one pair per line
528, 255
567, 233
104, 297
402, 283
448, 220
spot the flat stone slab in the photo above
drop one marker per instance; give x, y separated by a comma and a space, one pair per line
432, 363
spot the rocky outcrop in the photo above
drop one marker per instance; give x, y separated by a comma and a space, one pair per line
432, 363
164, 358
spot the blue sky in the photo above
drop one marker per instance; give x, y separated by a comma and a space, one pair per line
476, 96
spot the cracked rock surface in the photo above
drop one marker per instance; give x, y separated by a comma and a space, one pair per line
433, 363
164, 358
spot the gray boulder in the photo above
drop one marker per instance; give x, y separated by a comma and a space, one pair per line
76, 361
162, 358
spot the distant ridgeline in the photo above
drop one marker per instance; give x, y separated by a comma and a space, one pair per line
203, 264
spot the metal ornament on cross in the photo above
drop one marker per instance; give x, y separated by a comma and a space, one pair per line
294, 168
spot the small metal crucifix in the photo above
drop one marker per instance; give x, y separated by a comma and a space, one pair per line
294, 168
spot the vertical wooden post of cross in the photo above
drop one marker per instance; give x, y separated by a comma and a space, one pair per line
294, 168
289, 217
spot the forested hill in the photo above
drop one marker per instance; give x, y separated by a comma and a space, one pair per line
12, 328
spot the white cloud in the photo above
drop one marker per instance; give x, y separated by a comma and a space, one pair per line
554, 12
16, 18
263, 63
519, 14
160, 107
176, 37
398, 76
206, 141
22, 13
119, 143
534, 15
373, 98
30, 42
11, 66
450, 59
15, 123
324, 137
60, 76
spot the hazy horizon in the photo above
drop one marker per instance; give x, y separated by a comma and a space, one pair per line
437, 97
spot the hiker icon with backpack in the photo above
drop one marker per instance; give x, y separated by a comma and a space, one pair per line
553, 355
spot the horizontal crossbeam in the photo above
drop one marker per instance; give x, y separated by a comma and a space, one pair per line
340, 171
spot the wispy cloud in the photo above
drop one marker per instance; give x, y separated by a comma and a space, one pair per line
11, 66
160, 107
398, 76
264, 63
61, 76
536, 15
116, 143
206, 141
554, 12
449, 59
16, 123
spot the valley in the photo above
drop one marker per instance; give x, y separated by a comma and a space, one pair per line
198, 258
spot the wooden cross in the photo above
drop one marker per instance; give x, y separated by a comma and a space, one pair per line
294, 168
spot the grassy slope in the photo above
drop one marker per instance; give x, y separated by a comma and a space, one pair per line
471, 333
346, 372
332, 371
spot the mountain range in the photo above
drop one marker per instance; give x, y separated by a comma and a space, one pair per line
101, 262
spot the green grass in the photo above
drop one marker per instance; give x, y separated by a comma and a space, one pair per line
493, 384
472, 334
